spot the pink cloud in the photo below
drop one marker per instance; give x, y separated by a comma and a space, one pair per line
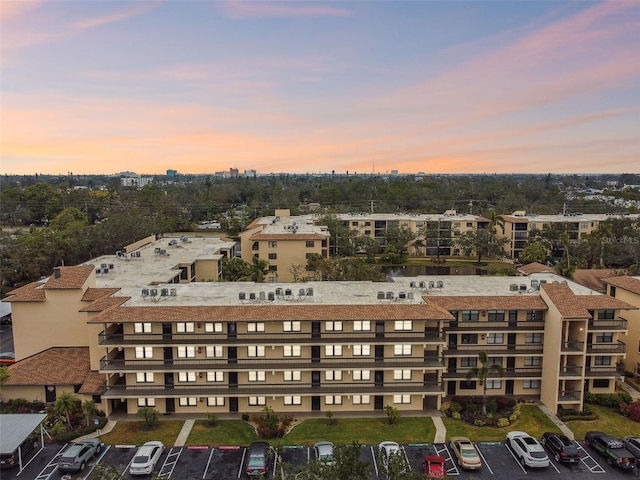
133, 11
245, 9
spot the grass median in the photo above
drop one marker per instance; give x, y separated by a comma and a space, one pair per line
608, 421
137, 433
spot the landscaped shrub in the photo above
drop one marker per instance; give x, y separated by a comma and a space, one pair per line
455, 407
513, 417
631, 410
611, 400
568, 415
245, 417
492, 406
479, 423
456, 415
503, 422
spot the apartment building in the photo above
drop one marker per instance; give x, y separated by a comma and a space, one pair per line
181, 343
627, 289
518, 226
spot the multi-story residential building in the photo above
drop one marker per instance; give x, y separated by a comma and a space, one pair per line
627, 289
519, 225
159, 333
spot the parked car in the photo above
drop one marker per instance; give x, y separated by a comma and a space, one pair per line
527, 449
465, 453
633, 445
258, 459
77, 455
612, 449
387, 450
562, 448
7, 358
146, 458
9, 460
434, 466
324, 452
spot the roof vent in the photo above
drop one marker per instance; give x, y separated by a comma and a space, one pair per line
241, 296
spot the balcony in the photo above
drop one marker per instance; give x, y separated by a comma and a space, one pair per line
613, 325
570, 396
290, 363
573, 346
571, 371
246, 390
601, 371
616, 347
509, 373
522, 326
262, 338
492, 350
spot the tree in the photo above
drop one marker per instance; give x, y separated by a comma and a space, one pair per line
89, 410
150, 416
393, 414
4, 374
481, 243
259, 269
481, 373
533, 252
66, 404
235, 270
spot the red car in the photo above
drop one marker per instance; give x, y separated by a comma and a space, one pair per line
434, 466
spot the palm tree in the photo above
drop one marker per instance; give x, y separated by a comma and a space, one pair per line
496, 220
259, 269
89, 409
66, 404
481, 373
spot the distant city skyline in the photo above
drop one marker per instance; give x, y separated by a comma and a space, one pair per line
459, 87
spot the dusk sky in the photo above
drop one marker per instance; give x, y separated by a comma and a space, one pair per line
100, 87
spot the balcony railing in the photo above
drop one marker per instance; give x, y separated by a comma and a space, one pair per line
510, 348
504, 326
614, 325
573, 346
262, 338
616, 347
601, 371
569, 396
293, 363
571, 371
246, 390
521, 372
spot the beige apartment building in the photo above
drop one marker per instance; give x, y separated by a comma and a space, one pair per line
627, 289
518, 226
146, 334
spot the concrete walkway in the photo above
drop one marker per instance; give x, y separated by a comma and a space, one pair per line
558, 423
184, 433
441, 430
635, 395
107, 428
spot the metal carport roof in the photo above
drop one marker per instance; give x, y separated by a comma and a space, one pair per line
15, 428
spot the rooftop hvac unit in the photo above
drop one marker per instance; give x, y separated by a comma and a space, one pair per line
389, 295
252, 296
153, 292
173, 292
380, 295
402, 295
104, 266
523, 287
543, 281
287, 292
241, 296
145, 292
271, 296
309, 292
278, 291
432, 284
412, 284
164, 292
98, 270
410, 295
111, 266
513, 287
262, 296
423, 285
138, 254
302, 292
439, 284
535, 284
157, 250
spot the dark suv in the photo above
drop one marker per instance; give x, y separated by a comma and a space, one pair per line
258, 459
562, 448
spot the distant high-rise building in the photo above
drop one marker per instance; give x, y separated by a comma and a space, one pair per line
172, 173
234, 173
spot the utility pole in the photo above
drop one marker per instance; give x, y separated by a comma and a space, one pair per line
372, 205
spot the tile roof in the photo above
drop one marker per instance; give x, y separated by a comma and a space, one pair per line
628, 283
103, 304
577, 306
93, 294
272, 313
593, 278
288, 236
535, 267
94, 383
54, 366
70, 277
496, 302
31, 292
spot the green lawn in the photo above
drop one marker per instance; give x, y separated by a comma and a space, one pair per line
608, 422
532, 420
227, 432
136, 433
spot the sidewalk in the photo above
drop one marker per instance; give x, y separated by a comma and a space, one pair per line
635, 395
558, 423
184, 433
107, 428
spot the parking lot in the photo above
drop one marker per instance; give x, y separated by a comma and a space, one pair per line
228, 463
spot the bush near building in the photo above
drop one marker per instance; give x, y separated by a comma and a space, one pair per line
501, 411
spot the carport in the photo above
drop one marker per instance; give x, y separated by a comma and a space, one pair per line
15, 429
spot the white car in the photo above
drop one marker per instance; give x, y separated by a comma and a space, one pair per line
386, 450
146, 458
527, 450
324, 452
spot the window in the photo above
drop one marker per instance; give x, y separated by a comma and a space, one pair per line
494, 384
361, 325
272, 244
495, 338
186, 376
273, 256
293, 400
360, 399
213, 327
333, 400
215, 376
144, 352
185, 327
531, 384
273, 279
255, 351
468, 385
310, 244
601, 383
333, 375
187, 401
144, 377
359, 375
494, 361
291, 326
469, 338
468, 362
253, 327
214, 351
612, 290
292, 375
257, 401
534, 316
604, 338
470, 315
403, 325
606, 314
602, 360
142, 327
333, 326
638, 368
361, 350
292, 350
533, 361
495, 316
402, 398
273, 268
186, 352
402, 374
215, 401
403, 350
333, 350
258, 376
146, 402
535, 338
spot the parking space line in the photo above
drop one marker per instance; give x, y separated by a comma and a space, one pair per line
206, 469
170, 463
515, 458
553, 465
406, 457
96, 461
32, 459
484, 460
51, 466
244, 453
596, 467
375, 461
453, 464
